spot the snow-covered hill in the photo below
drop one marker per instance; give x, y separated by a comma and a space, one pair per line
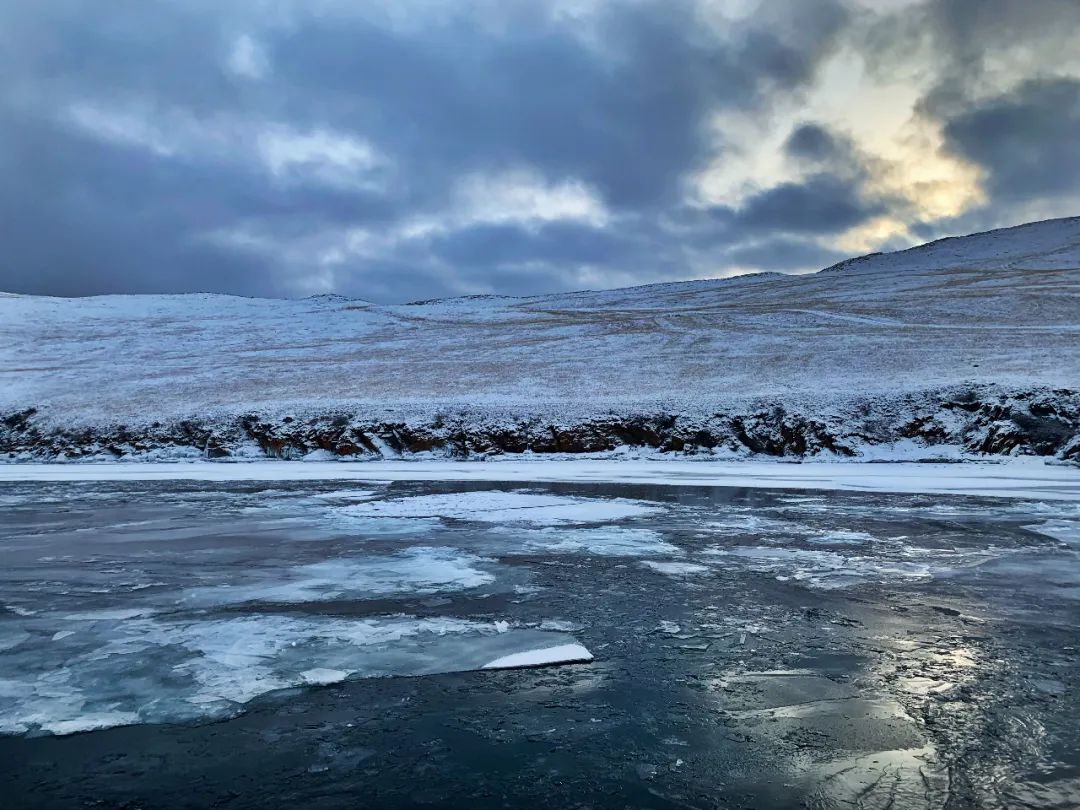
986, 319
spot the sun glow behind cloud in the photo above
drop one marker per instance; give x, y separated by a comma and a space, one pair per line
900, 152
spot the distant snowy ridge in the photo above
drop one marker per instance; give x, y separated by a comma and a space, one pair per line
967, 345
1050, 244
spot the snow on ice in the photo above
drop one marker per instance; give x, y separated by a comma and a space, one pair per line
1015, 478
505, 508
561, 654
168, 670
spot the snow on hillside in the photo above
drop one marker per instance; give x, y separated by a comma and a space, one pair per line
1000, 308
1047, 245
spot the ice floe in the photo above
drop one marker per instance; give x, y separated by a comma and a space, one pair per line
832, 569
416, 570
347, 495
377, 526
560, 625
675, 568
615, 541
152, 670
321, 676
562, 654
1067, 531
12, 637
840, 537
740, 522
107, 615
496, 506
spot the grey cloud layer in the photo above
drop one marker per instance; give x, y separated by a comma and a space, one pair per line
142, 152
1027, 138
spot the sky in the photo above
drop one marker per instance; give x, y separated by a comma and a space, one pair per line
395, 150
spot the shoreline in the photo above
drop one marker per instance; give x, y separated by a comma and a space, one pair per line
1013, 478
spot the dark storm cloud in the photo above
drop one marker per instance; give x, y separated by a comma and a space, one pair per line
822, 204
955, 41
83, 217
813, 142
783, 253
1028, 140
625, 111
998, 90
452, 102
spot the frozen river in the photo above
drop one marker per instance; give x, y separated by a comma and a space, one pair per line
235, 641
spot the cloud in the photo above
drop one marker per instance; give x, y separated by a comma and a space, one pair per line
396, 150
523, 197
319, 156
564, 243
334, 142
1027, 140
247, 58
822, 204
783, 253
813, 142
122, 128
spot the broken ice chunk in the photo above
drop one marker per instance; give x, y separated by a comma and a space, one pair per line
675, 568
496, 506
1066, 531
321, 676
563, 654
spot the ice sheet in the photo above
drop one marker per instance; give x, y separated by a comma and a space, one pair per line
840, 537
1067, 531
496, 506
176, 670
613, 541
828, 570
1016, 478
416, 570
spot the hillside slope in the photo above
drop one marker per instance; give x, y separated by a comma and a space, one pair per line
860, 352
